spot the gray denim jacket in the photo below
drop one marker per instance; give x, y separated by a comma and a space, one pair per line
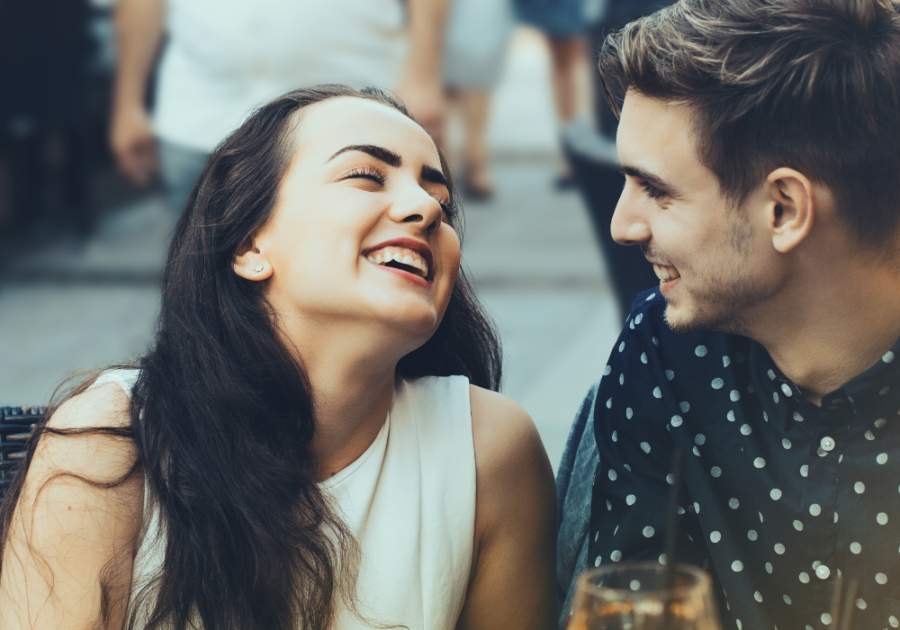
573, 487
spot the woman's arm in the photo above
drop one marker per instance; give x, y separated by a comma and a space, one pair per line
514, 571
67, 559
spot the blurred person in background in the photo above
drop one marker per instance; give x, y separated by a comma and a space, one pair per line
591, 155
223, 58
299, 447
45, 49
565, 24
477, 40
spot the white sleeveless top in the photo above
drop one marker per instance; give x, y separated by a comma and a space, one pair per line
409, 500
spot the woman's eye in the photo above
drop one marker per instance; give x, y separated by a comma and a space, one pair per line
450, 209
366, 173
652, 191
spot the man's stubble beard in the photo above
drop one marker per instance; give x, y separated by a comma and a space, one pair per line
723, 305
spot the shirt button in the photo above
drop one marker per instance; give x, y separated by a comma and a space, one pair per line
823, 572
827, 443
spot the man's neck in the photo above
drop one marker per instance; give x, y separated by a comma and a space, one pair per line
829, 331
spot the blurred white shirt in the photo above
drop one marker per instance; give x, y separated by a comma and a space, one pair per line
224, 58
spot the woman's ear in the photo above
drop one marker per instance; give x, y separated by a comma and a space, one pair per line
250, 262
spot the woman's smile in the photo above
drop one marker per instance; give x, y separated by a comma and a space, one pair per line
406, 258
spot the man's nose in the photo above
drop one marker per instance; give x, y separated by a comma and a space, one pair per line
629, 224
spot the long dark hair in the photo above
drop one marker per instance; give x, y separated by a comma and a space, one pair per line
222, 414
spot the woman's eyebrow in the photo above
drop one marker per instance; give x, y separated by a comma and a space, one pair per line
434, 176
380, 153
390, 158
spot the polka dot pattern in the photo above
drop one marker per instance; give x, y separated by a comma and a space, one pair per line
764, 489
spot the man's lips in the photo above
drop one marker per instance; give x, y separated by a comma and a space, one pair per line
666, 273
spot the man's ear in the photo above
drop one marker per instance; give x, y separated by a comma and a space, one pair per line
250, 262
791, 208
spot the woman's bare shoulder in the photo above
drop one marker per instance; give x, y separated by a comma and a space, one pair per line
77, 517
98, 455
510, 458
514, 564
105, 405
504, 434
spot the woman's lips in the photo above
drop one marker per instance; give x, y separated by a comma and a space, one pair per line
401, 256
410, 254
402, 273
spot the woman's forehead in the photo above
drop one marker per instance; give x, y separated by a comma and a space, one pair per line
330, 125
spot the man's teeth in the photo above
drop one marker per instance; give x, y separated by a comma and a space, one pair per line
666, 273
401, 255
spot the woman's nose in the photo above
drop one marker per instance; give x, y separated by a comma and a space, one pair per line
417, 207
629, 225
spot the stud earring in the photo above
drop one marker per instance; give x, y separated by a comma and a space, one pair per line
258, 268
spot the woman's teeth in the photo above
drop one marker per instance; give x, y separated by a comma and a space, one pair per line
401, 255
666, 273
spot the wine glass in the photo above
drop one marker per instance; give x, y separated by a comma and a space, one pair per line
632, 596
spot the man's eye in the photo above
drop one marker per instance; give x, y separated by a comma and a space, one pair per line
652, 191
366, 173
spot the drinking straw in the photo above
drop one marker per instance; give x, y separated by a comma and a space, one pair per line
837, 591
671, 543
849, 600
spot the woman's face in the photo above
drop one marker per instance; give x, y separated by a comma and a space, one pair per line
359, 233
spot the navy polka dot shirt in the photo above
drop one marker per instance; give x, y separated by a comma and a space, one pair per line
778, 496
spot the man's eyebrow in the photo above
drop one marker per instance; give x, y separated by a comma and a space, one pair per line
379, 153
650, 178
434, 176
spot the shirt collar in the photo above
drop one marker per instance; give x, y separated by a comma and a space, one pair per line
773, 389
875, 390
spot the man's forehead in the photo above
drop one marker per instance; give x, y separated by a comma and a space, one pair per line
657, 136
649, 126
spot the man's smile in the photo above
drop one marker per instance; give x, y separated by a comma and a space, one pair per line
666, 273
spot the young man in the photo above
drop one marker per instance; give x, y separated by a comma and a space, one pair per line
760, 140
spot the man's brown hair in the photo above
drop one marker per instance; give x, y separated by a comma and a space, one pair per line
813, 85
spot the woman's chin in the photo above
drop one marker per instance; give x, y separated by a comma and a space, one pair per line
415, 325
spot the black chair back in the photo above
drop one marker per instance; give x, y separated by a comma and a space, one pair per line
16, 424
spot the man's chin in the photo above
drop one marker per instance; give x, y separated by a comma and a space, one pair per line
679, 321
685, 319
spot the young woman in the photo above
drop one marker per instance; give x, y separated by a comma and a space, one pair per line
311, 441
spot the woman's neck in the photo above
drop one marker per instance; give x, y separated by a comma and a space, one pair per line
351, 375
351, 405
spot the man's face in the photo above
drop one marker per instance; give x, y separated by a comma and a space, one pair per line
714, 267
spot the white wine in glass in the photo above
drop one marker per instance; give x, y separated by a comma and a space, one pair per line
632, 596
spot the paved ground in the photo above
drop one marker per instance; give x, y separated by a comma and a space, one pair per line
530, 251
